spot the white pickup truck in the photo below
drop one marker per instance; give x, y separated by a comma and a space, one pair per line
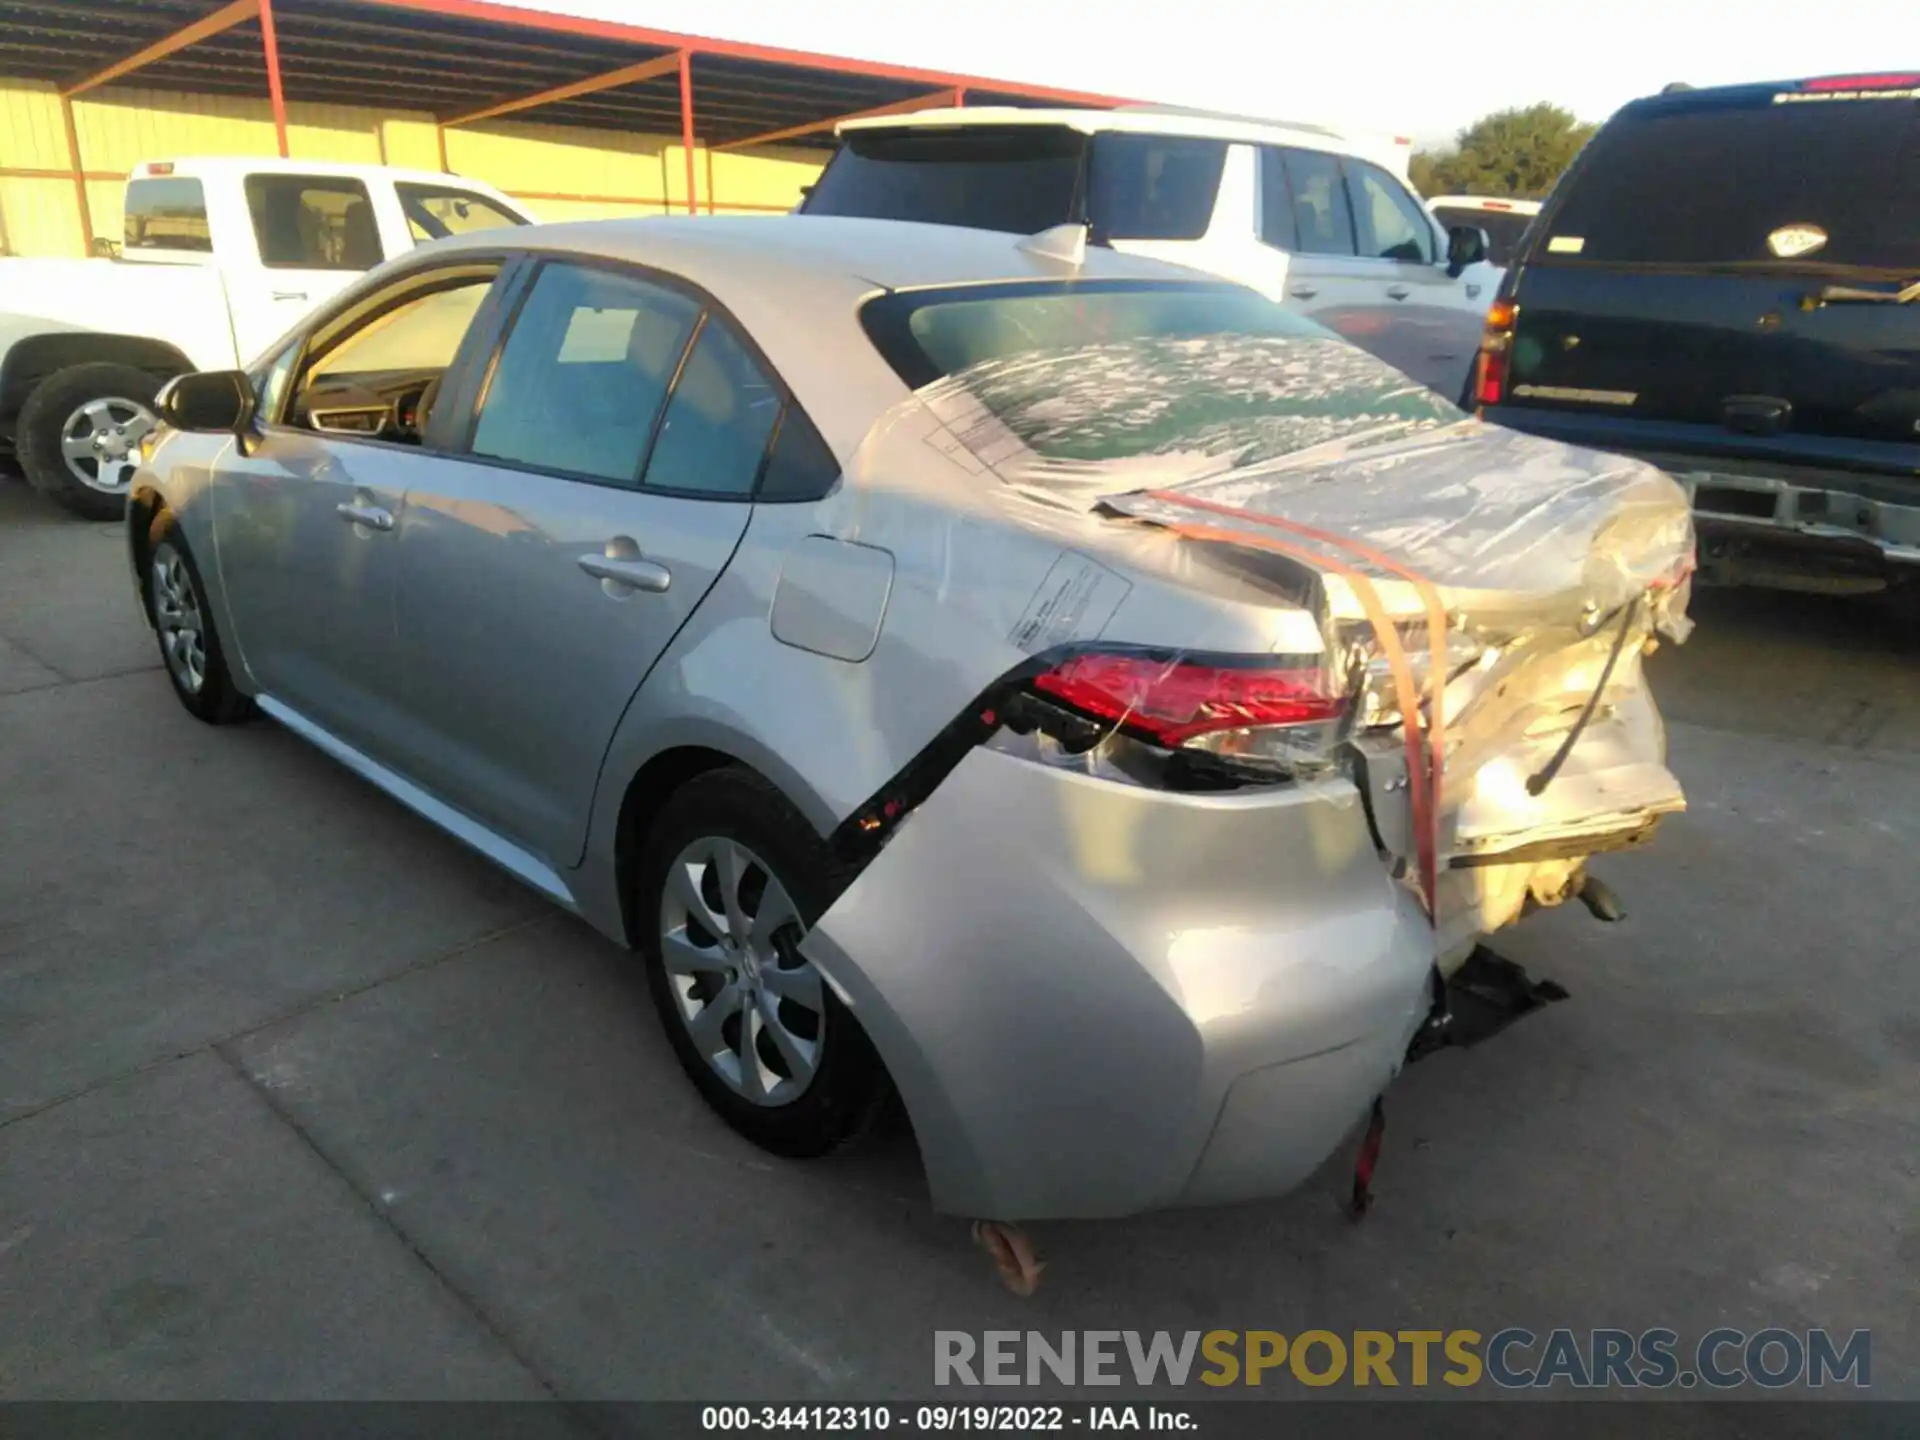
220, 257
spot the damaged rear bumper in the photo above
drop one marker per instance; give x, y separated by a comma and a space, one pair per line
1098, 999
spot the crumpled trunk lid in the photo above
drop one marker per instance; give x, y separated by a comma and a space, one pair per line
1556, 569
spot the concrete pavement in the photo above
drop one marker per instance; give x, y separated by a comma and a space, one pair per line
300, 1099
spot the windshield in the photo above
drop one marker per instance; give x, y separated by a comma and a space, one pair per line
1758, 180
1103, 371
1504, 228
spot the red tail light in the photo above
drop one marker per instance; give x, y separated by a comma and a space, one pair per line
1490, 380
1863, 82
1177, 702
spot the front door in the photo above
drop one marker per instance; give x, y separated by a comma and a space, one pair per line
609, 483
308, 510
1425, 325
314, 235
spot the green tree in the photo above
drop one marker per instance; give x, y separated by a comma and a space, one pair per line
1517, 153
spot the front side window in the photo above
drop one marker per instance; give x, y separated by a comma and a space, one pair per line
310, 222
434, 213
714, 436
584, 373
379, 376
1321, 218
1095, 373
1154, 187
167, 214
1391, 223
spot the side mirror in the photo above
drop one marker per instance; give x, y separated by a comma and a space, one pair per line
210, 401
1466, 245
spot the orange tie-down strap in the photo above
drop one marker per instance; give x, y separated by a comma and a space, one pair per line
1425, 738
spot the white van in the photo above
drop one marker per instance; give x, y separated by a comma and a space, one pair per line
1310, 217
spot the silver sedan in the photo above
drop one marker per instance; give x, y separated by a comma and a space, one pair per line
1065, 692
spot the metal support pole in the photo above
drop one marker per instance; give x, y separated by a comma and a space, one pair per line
686, 126
270, 43
79, 176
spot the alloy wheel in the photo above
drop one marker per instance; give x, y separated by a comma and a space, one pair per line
176, 615
754, 1006
100, 442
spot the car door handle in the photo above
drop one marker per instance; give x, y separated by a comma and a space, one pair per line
628, 573
289, 294
1304, 292
372, 516
1399, 292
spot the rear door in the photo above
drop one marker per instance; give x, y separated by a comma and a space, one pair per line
612, 464
313, 235
1726, 265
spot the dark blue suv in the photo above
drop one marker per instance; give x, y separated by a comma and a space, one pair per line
1727, 283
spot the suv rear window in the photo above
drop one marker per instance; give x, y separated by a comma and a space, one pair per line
1018, 179
1708, 183
1022, 179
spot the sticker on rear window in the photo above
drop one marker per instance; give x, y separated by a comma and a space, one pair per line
1567, 244
1791, 241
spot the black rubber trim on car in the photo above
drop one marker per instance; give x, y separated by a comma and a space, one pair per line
1009, 703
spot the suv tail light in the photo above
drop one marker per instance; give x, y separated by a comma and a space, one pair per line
1490, 380
1263, 713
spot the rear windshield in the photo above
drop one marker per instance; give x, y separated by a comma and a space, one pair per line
1022, 179
1757, 180
1504, 228
1095, 371
169, 214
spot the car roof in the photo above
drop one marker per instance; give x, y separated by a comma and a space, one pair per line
796, 283
1144, 120
1877, 84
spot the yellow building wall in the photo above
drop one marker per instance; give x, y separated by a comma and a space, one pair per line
561, 172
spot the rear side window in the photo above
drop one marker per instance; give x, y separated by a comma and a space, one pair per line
580, 381
1018, 179
1390, 224
168, 214
1732, 182
1321, 218
800, 467
309, 222
1154, 187
719, 419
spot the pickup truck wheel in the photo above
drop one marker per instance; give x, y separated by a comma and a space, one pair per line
79, 435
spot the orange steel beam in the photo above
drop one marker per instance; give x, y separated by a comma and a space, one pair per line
686, 126
224, 18
626, 75
270, 47
492, 12
79, 175
813, 127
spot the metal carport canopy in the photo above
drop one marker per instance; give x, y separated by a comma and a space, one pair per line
467, 61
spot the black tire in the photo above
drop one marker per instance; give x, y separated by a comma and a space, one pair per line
171, 579
849, 1088
42, 427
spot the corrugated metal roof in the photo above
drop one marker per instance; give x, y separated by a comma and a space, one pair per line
453, 57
